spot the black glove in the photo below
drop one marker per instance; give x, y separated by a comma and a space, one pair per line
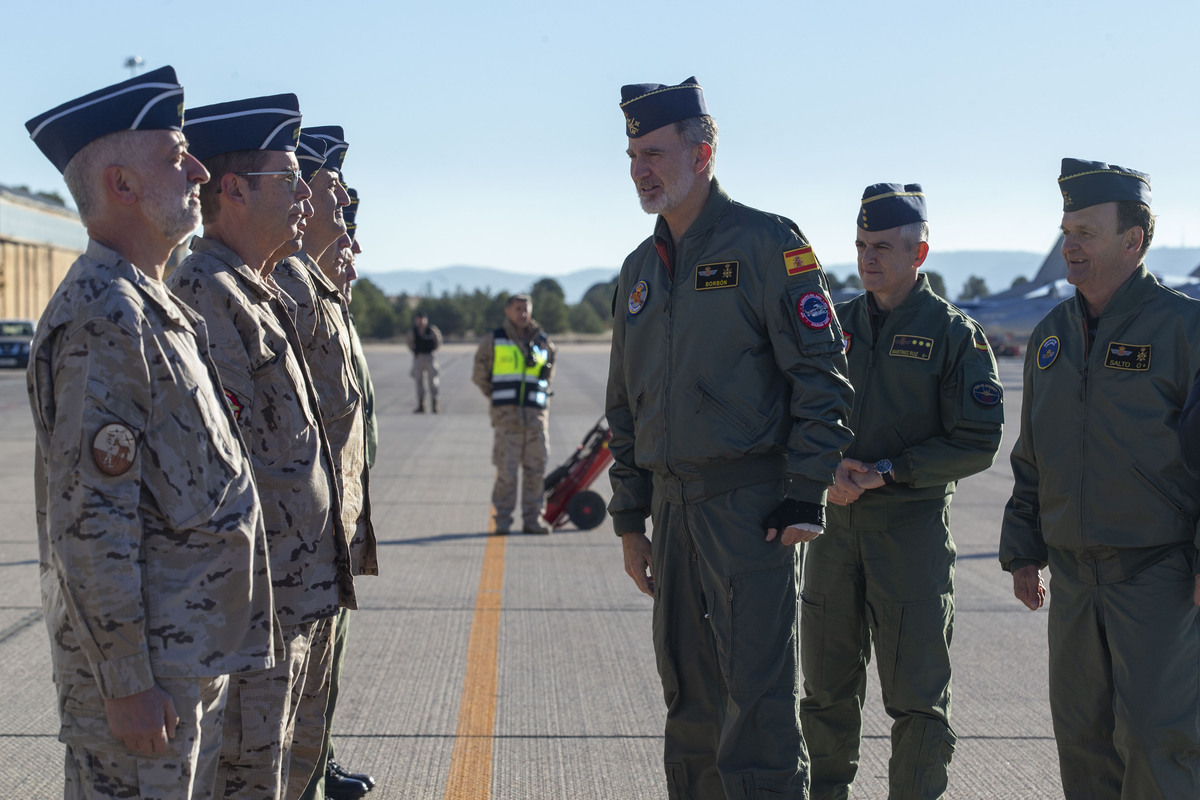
795, 512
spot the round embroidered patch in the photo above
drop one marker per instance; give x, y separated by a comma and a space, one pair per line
813, 310
114, 449
846, 338
638, 297
1047, 352
987, 394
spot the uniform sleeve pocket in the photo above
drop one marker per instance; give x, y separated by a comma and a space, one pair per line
813, 321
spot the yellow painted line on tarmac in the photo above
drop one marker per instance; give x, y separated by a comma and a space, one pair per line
471, 761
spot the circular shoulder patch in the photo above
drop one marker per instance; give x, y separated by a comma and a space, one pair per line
1048, 352
814, 311
847, 337
638, 297
114, 449
987, 394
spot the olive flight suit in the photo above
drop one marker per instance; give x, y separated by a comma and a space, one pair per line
926, 396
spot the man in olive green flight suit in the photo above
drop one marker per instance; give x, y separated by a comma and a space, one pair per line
1100, 494
927, 412
727, 400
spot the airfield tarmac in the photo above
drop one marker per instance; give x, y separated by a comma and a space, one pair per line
520, 667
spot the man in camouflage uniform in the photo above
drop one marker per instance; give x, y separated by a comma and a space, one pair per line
322, 315
927, 412
255, 204
154, 578
514, 365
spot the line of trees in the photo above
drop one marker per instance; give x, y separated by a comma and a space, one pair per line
464, 314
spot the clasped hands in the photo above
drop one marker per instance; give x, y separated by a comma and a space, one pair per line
853, 477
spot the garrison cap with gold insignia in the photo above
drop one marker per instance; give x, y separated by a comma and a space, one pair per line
257, 123
1090, 183
649, 106
310, 154
890, 205
350, 212
149, 102
335, 145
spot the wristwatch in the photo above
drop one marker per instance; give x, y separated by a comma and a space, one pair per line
884, 467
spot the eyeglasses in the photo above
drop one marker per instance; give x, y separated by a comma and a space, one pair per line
293, 176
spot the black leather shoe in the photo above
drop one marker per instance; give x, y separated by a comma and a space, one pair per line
333, 768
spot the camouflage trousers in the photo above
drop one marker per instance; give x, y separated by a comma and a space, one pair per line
259, 719
316, 784
519, 448
99, 766
425, 369
310, 698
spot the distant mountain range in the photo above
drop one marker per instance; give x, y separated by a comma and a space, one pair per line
998, 268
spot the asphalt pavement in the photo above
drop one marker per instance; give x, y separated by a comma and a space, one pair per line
519, 667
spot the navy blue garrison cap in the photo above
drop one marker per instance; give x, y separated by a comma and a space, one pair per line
257, 123
335, 145
649, 106
890, 205
310, 154
1089, 183
149, 102
350, 212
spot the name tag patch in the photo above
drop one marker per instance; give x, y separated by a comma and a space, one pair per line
905, 346
721, 275
1132, 357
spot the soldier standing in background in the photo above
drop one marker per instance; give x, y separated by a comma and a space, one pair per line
513, 367
424, 340
150, 536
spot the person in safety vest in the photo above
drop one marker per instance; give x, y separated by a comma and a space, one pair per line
513, 368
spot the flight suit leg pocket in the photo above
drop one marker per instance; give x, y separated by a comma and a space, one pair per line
812, 643
762, 638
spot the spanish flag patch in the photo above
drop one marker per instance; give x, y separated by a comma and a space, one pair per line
800, 260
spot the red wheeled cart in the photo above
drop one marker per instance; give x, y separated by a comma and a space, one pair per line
567, 493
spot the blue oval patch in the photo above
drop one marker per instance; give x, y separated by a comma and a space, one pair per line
1048, 352
813, 310
637, 298
987, 394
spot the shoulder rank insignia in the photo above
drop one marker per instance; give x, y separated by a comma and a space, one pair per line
987, 394
906, 346
114, 449
800, 260
637, 298
814, 311
1131, 357
1047, 352
717, 276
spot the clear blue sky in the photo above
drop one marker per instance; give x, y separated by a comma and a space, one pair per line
489, 133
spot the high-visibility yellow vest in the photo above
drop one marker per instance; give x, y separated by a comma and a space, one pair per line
517, 379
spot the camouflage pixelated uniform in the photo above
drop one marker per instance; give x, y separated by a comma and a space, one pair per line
323, 321
520, 443
258, 353
150, 536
